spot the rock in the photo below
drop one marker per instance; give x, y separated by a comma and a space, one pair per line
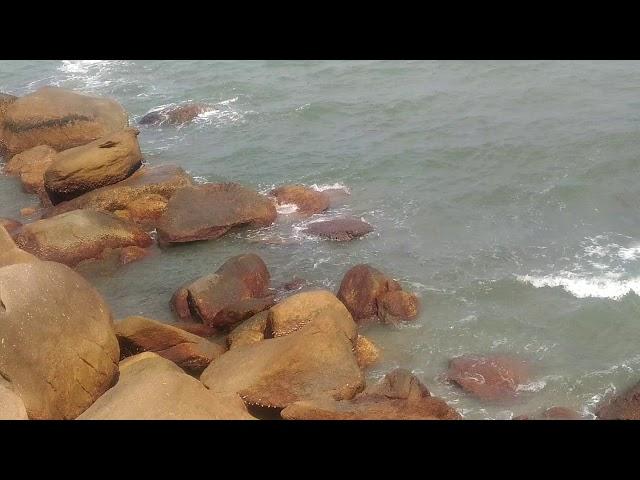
105, 161
58, 347
294, 284
298, 310
176, 115
59, 118
561, 413
307, 200
316, 360
78, 235
189, 351
624, 406
5, 101
196, 328
11, 405
9, 224
361, 288
132, 254
10, 254
209, 211
399, 396
28, 211
250, 331
397, 306
490, 378
140, 192
340, 229
30, 166
367, 353
234, 293
153, 388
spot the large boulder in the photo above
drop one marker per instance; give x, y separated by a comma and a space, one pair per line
5, 101
153, 388
105, 161
316, 360
307, 200
360, 289
399, 396
59, 118
142, 197
339, 229
11, 405
78, 235
58, 351
250, 331
9, 253
624, 406
397, 306
491, 378
30, 166
367, 352
209, 211
235, 292
174, 115
189, 351
295, 311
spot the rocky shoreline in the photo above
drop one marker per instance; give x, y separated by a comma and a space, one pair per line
240, 348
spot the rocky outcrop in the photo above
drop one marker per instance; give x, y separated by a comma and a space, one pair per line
399, 396
307, 200
59, 118
316, 360
624, 406
78, 235
367, 353
105, 161
5, 101
59, 351
489, 378
208, 211
153, 388
235, 292
189, 351
340, 229
397, 306
132, 254
142, 197
9, 253
30, 166
175, 115
250, 331
11, 405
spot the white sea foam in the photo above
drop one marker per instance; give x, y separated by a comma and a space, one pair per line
335, 186
604, 286
286, 208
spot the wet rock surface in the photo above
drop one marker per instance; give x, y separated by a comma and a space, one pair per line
340, 230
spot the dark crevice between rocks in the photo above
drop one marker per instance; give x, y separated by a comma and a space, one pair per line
264, 413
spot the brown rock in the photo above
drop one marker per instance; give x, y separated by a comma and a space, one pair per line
11, 405
176, 115
189, 351
561, 413
9, 224
340, 229
30, 166
132, 254
58, 351
250, 331
367, 353
59, 118
148, 208
397, 306
5, 101
298, 310
78, 235
28, 211
196, 328
234, 293
316, 360
307, 200
399, 396
624, 406
105, 161
209, 211
490, 378
361, 288
153, 388
10, 254
138, 191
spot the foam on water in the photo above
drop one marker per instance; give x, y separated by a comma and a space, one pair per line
334, 186
286, 208
584, 287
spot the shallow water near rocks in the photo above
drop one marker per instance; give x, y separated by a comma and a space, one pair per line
505, 194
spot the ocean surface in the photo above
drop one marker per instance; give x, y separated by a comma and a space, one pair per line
505, 194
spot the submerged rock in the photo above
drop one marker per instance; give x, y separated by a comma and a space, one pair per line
624, 406
59, 118
132, 254
153, 388
316, 360
30, 166
189, 351
490, 378
208, 211
176, 115
340, 229
307, 200
561, 413
9, 224
78, 235
105, 161
140, 193
59, 351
